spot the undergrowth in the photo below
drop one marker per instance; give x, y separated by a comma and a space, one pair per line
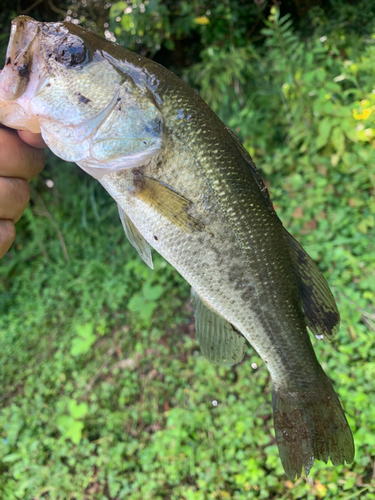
105, 394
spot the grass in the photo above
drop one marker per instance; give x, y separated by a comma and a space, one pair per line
103, 399
104, 393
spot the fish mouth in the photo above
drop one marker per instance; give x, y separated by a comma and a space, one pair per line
22, 75
15, 75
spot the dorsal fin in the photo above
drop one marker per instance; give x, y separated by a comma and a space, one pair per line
253, 169
220, 342
318, 304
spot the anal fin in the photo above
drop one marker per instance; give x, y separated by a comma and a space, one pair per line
318, 304
135, 238
220, 342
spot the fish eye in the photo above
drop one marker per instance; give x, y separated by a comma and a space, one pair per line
71, 52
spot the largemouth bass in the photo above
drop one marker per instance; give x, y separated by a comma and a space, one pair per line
185, 186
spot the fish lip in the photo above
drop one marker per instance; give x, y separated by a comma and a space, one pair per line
15, 75
22, 76
23, 31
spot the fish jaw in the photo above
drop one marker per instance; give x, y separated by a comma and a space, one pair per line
18, 60
22, 76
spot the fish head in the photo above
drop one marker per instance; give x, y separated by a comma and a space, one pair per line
62, 80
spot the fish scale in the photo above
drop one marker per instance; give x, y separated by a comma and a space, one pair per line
260, 258
185, 186
236, 279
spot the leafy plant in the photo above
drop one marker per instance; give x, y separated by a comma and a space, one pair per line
104, 391
70, 425
85, 339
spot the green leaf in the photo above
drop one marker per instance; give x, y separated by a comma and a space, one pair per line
12, 457
85, 339
152, 292
70, 428
77, 410
338, 140
324, 128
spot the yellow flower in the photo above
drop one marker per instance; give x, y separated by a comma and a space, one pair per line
321, 490
361, 116
202, 20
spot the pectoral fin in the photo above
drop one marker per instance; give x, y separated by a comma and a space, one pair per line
220, 342
167, 202
318, 304
135, 238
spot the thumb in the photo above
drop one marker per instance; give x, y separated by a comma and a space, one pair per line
34, 140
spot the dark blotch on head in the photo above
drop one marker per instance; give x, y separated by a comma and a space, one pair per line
139, 180
83, 99
23, 71
9, 60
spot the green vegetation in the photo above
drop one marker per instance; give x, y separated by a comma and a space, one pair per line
104, 392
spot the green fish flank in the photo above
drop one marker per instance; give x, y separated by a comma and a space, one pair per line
186, 187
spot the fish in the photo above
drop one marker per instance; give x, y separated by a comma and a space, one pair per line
186, 187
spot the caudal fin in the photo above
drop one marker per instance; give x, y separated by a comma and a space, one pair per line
311, 426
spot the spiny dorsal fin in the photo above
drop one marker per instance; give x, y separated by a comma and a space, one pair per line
220, 342
253, 169
318, 304
167, 202
135, 238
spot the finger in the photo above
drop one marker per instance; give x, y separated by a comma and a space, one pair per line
33, 140
14, 197
17, 159
7, 235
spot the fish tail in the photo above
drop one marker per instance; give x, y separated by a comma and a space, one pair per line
311, 426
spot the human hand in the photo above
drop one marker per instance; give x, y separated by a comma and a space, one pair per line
21, 159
